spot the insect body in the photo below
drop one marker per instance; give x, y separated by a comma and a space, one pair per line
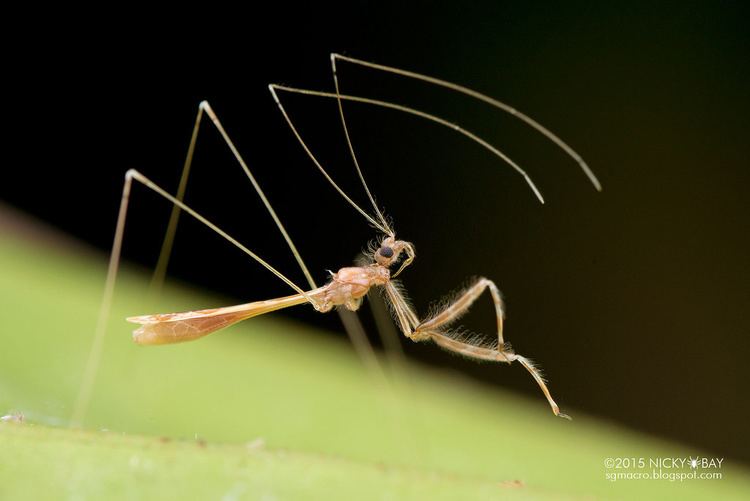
348, 286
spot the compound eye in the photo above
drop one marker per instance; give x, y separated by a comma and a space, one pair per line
385, 251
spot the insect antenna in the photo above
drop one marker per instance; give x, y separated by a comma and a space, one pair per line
273, 88
409, 111
481, 97
390, 231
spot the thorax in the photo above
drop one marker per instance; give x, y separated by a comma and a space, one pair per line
349, 285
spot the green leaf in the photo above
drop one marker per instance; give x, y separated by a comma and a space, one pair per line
273, 409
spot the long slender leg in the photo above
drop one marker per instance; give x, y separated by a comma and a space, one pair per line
133, 174
402, 310
92, 364
383, 323
433, 329
169, 236
95, 352
157, 279
461, 305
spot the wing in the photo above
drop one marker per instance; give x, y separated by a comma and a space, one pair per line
167, 328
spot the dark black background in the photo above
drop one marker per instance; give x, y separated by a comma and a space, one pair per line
635, 300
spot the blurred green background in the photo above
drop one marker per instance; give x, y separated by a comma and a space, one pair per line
276, 409
634, 301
